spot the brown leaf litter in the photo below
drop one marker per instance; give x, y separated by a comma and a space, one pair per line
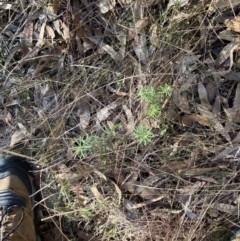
73, 70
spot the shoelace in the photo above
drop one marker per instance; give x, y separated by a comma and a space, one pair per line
7, 232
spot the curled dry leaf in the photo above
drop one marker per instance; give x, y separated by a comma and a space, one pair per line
137, 28
19, 135
96, 193
106, 5
226, 53
118, 192
105, 112
233, 24
188, 120
16, 137
50, 32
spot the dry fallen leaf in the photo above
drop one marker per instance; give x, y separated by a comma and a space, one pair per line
104, 113
213, 121
180, 3
137, 28
203, 96
226, 208
228, 152
41, 40
180, 101
226, 53
154, 38
106, 5
188, 120
65, 32
229, 36
233, 24
16, 137
217, 107
107, 48
130, 125
27, 33
118, 190
96, 193
140, 47
211, 91
50, 32
71, 178
84, 114
8, 6
234, 112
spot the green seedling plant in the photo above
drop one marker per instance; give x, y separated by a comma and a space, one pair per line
94, 144
154, 97
143, 135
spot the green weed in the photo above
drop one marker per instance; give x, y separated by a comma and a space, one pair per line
94, 144
147, 94
154, 110
154, 97
143, 135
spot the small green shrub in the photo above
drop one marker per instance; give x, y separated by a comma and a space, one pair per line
143, 135
154, 97
94, 144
